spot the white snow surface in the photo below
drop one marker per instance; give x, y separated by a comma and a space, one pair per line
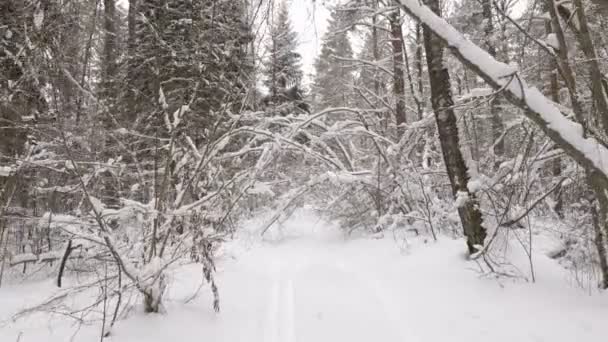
306, 283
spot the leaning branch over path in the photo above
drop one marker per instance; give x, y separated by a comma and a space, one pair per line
568, 135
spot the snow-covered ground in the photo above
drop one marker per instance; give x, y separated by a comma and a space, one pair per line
310, 285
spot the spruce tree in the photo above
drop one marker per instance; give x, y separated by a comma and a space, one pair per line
334, 74
196, 52
283, 66
370, 77
23, 37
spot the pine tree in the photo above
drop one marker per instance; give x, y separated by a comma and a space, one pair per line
334, 74
283, 66
222, 35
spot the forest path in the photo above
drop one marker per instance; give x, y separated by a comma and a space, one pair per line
319, 299
308, 284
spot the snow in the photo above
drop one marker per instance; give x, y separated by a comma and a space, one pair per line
310, 284
477, 184
260, 188
6, 171
23, 257
98, 206
552, 41
462, 197
477, 93
38, 18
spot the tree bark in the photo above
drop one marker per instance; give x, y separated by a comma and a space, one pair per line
495, 105
442, 103
132, 25
398, 71
109, 189
375, 51
418, 63
600, 216
599, 92
132, 97
110, 48
552, 88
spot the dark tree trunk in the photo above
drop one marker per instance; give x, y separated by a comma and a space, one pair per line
132, 73
110, 48
398, 71
418, 63
598, 89
109, 191
375, 51
442, 102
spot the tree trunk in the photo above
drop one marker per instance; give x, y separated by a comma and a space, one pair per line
418, 63
495, 105
110, 48
442, 102
132, 97
375, 51
552, 89
398, 71
132, 26
599, 216
109, 191
599, 92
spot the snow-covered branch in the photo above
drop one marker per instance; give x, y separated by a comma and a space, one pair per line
587, 151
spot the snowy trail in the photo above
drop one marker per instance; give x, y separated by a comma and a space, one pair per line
312, 298
320, 288
280, 323
333, 305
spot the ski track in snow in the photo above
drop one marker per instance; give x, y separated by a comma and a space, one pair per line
271, 330
279, 325
290, 332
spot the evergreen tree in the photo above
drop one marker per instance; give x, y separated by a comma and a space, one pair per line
283, 67
196, 52
370, 78
223, 35
25, 36
334, 75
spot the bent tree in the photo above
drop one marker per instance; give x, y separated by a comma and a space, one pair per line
586, 151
